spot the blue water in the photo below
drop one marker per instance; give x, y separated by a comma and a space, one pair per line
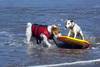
14, 15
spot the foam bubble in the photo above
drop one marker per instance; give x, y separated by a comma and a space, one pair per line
93, 48
98, 43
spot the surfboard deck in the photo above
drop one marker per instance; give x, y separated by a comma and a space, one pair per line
75, 42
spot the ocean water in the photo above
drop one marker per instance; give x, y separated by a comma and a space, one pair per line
14, 15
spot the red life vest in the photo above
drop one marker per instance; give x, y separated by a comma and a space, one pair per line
38, 29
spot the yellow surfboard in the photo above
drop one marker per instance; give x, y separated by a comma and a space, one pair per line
74, 41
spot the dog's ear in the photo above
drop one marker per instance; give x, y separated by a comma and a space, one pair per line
54, 28
71, 21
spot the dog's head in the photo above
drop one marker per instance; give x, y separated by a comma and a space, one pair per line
55, 30
69, 23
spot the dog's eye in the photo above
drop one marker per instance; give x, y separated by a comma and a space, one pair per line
68, 23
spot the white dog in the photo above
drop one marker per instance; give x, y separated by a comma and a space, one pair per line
42, 33
74, 29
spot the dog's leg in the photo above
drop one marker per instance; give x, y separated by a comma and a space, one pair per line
45, 40
82, 36
75, 34
69, 33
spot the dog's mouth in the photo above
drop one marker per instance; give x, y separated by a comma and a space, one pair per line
56, 33
71, 27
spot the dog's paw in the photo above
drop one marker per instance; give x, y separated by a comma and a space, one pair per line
49, 46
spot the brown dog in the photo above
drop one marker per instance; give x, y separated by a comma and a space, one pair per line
42, 33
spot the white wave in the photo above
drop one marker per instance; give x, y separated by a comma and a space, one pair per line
72, 63
10, 39
4, 33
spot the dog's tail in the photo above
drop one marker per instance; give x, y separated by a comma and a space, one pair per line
29, 24
28, 31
